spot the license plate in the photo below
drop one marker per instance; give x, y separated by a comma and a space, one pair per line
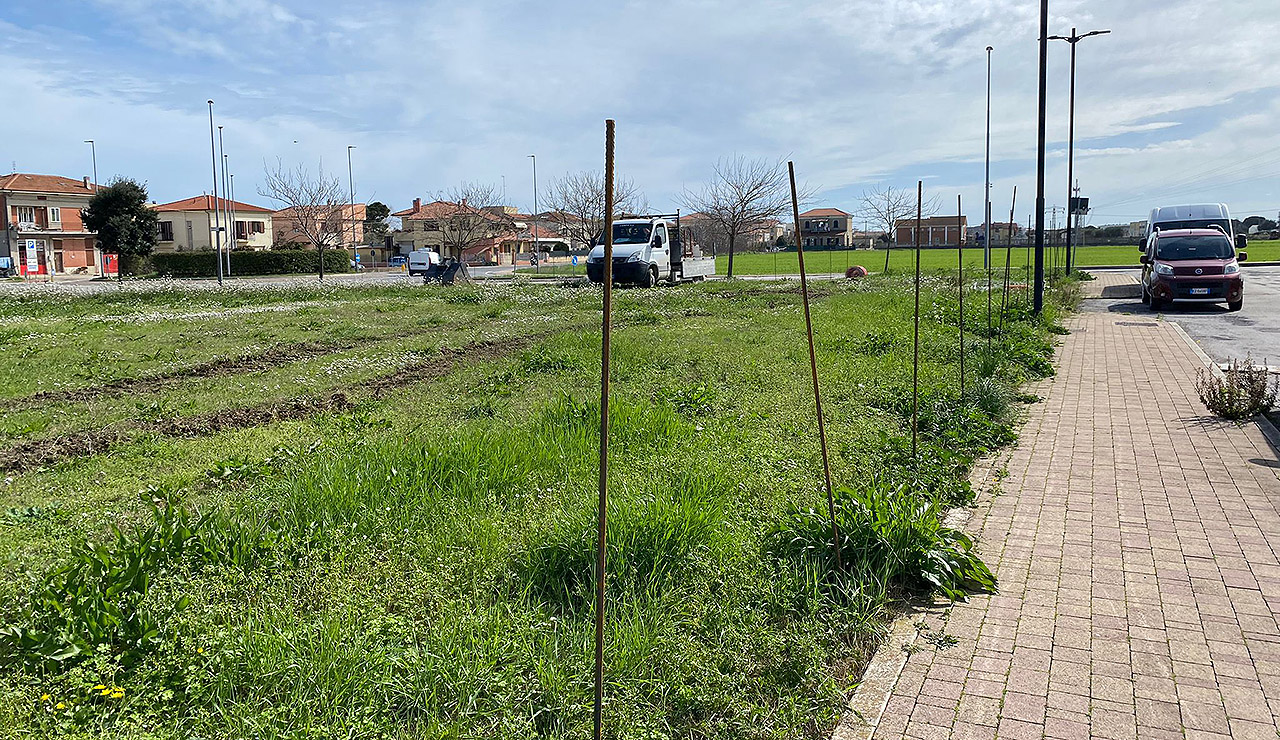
1199, 291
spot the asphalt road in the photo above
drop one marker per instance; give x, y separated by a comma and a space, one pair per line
1254, 330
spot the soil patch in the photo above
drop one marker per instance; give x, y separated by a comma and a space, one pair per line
26, 456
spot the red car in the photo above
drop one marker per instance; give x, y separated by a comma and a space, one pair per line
1192, 266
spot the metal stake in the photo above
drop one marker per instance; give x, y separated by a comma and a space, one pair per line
602, 506
960, 260
915, 368
1008, 257
813, 371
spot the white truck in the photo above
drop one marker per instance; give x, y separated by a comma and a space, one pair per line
648, 250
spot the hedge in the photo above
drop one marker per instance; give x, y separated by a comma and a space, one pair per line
272, 262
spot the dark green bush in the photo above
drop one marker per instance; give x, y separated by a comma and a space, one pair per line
272, 262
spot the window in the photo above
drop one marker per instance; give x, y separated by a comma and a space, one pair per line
26, 214
55, 215
166, 231
806, 225
835, 225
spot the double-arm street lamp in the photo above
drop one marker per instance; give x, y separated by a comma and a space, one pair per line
1073, 39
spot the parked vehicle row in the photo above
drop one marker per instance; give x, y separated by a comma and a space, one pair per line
1192, 255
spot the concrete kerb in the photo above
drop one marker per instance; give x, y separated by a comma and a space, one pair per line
1268, 429
871, 696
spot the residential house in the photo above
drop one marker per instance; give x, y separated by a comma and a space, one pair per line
42, 220
1136, 229
1001, 232
345, 225
935, 231
829, 228
489, 235
187, 225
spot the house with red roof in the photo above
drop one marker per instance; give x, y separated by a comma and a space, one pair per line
187, 225
41, 230
935, 231
485, 235
826, 228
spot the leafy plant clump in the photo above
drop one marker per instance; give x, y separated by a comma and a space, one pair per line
1243, 391
890, 536
99, 600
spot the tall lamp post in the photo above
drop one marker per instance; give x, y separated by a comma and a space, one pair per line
1073, 39
534, 221
93, 152
351, 195
986, 182
231, 238
217, 227
1037, 294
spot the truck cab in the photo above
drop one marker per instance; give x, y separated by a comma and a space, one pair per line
648, 250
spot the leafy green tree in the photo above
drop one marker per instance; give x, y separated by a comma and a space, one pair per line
126, 226
375, 222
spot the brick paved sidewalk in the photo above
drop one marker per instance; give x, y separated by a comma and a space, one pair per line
1136, 543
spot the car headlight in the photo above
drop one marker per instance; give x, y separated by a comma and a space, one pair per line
634, 257
1163, 269
1231, 269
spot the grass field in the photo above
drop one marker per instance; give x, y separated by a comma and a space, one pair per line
336, 512
785, 263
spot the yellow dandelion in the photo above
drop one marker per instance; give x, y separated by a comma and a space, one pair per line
200, 650
99, 687
45, 697
117, 694
104, 692
61, 706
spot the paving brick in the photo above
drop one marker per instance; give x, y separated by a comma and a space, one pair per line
1136, 549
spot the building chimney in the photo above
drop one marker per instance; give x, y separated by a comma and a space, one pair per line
86, 182
464, 202
417, 203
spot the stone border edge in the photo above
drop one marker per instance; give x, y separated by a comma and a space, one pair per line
1268, 429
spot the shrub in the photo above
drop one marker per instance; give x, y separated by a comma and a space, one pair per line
893, 535
272, 262
1243, 391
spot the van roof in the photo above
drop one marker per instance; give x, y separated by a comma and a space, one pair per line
1191, 211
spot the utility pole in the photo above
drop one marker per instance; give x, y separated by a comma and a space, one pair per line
351, 194
986, 180
217, 233
1037, 300
1073, 39
227, 214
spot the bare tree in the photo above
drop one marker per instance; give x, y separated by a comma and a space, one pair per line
576, 203
884, 207
743, 193
466, 216
315, 205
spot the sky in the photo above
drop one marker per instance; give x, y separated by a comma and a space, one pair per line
1178, 104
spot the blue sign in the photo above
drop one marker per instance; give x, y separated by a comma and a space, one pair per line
575, 260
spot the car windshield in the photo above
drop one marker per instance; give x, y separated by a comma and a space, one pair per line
631, 233
1194, 248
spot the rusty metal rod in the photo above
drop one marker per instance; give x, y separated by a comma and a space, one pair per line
1008, 257
960, 260
602, 506
915, 365
813, 370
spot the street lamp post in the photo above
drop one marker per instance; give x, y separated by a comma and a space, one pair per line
986, 182
225, 256
1073, 39
1037, 294
231, 213
217, 227
534, 221
93, 152
351, 194
228, 212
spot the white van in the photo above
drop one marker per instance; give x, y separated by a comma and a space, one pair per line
421, 261
1194, 216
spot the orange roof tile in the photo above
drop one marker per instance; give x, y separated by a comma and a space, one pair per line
20, 181
205, 203
821, 212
